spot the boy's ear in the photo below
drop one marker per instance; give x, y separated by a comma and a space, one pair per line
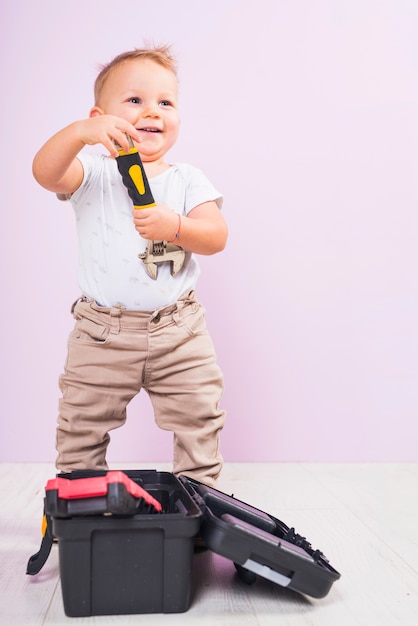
96, 111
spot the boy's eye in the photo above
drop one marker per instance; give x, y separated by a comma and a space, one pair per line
165, 103
134, 100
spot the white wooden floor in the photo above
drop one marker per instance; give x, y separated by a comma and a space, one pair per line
363, 517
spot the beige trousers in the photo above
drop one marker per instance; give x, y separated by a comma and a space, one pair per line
112, 355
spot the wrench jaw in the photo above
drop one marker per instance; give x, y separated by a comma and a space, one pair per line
161, 252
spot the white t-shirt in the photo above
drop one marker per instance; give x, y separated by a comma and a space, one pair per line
110, 271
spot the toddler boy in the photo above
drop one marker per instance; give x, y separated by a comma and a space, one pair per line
133, 331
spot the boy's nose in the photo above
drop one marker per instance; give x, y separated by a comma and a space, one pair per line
150, 110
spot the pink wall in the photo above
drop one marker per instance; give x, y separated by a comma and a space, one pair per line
304, 113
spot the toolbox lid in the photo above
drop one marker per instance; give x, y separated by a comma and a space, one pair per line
260, 544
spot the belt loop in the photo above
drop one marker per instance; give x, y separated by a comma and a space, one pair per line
181, 304
177, 317
74, 304
116, 311
115, 315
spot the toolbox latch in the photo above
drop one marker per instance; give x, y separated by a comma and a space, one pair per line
267, 572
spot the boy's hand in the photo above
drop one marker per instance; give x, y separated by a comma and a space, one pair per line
156, 224
56, 167
107, 129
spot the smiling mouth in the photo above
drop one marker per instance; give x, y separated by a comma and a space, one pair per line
149, 130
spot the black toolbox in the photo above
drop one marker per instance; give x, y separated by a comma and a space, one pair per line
120, 554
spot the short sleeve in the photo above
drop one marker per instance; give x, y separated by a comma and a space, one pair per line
199, 189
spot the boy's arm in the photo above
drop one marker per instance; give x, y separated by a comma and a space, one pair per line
56, 166
203, 230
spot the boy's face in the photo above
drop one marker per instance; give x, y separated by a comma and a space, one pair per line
146, 95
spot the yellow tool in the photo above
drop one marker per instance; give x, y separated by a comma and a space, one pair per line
134, 177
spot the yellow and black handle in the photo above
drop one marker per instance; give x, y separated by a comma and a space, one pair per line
134, 178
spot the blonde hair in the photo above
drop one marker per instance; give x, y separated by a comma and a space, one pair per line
160, 54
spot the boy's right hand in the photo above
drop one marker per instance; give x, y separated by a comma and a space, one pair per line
106, 130
56, 166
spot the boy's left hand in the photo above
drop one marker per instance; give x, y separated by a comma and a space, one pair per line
159, 223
